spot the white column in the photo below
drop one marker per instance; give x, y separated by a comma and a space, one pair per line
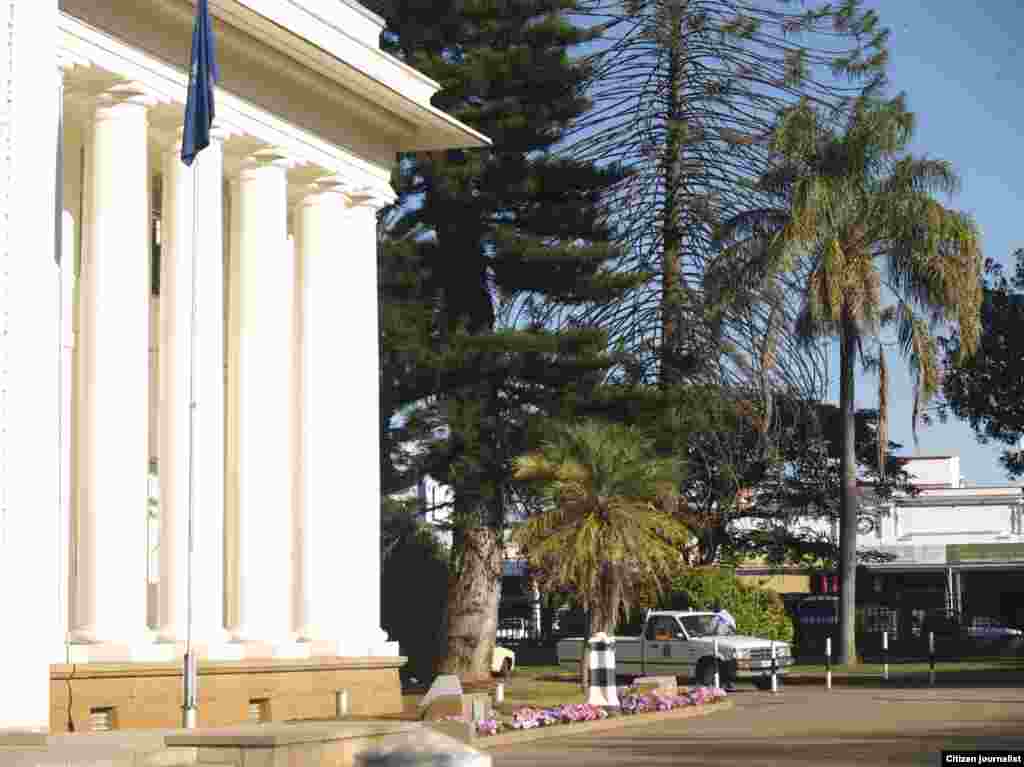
325, 540
71, 218
110, 588
231, 344
362, 421
265, 327
29, 362
187, 192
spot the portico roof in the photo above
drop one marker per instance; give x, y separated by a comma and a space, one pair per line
340, 40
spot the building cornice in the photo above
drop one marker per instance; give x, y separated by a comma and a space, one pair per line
318, 41
87, 46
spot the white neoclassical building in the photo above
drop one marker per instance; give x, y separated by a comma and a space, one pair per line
98, 222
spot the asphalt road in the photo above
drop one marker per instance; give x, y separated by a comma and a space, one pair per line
802, 726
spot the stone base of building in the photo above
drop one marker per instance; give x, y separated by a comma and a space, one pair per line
84, 697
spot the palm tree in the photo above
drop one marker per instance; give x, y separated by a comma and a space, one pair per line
606, 528
861, 217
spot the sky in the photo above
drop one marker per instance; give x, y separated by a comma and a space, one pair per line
961, 65
962, 68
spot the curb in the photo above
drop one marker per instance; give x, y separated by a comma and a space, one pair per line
487, 742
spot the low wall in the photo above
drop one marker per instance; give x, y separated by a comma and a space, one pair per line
149, 695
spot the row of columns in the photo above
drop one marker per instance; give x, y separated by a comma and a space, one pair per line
276, 555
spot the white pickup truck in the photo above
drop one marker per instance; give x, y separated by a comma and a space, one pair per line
682, 644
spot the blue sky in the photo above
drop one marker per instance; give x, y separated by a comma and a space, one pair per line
962, 67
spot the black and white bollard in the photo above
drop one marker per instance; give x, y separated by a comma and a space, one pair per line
602, 690
931, 657
718, 678
885, 656
775, 675
828, 663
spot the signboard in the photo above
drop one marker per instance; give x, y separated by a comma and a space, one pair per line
984, 552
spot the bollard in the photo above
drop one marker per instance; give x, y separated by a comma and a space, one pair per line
602, 690
885, 655
499, 694
775, 677
717, 677
189, 712
340, 704
931, 657
828, 663
478, 712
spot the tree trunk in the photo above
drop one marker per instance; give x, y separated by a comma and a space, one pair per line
604, 616
847, 650
671, 234
470, 619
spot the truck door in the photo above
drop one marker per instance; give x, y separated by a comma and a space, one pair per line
665, 646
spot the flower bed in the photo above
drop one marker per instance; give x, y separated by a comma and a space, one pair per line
631, 703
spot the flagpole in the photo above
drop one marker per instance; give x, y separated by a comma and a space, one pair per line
199, 116
190, 675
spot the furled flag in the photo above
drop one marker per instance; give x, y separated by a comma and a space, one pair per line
203, 74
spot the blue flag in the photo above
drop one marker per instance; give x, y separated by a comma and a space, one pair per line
203, 73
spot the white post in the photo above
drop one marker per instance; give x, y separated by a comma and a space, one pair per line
885, 655
828, 663
931, 657
717, 676
774, 676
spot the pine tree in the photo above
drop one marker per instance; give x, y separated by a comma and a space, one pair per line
491, 233
685, 93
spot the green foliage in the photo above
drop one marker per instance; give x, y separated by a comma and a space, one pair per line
984, 387
479, 237
860, 212
414, 581
685, 95
605, 529
758, 611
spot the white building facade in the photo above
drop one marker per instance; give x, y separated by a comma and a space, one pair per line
280, 214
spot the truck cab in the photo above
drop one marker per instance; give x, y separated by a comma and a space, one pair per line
683, 643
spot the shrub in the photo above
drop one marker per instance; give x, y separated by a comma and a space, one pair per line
758, 611
414, 588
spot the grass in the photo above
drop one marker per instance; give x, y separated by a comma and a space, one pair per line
541, 686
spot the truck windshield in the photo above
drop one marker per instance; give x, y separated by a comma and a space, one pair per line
706, 625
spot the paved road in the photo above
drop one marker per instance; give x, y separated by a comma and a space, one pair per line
802, 726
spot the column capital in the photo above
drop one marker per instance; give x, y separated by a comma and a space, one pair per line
376, 196
169, 139
321, 189
266, 157
123, 99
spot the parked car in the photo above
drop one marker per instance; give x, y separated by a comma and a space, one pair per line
991, 629
682, 643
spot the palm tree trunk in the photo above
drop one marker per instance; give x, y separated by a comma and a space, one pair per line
604, 616
848, 499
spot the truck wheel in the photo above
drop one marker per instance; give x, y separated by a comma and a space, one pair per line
705, 673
